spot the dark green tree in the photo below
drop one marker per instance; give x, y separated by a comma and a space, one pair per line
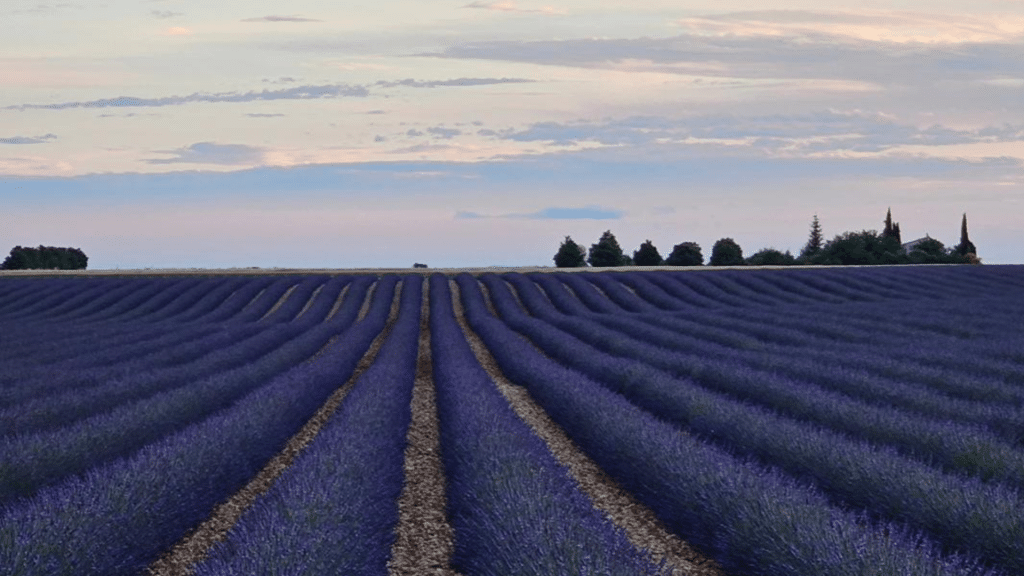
930, 251
685, 254
891, 233
607, 252
45, 258
647, 255
570, 255
771, 257
814, 242
726, 252
965, 246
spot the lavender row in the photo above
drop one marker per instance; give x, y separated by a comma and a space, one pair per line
28, 462
503, 484
117, 518
955, 447
334, 510
56, 334
58, 398
117, 342
751, 519
962, 513
894, 359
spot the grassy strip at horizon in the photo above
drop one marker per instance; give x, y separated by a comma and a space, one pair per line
31, 461
964, 514
751, 519
117, 518
225, 349
333, 511
503, 484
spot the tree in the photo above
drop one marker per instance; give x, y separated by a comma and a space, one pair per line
647, 255
726, 252
570, 255
685, 254
891, 233
814, 242
965, 246
771, 257
929, 251
607, 252
45, 258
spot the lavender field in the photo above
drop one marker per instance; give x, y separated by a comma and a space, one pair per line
800, 422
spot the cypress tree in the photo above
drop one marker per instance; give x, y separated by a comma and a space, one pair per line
965, 246
814, 242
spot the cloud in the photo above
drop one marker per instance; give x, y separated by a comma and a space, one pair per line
801, 134
507, 6
411, 83
44, 8
584, 213
296, 93
413, 132
445, 133
212, 153
307, 92
379, 138
164, 14
28, 139
870, 64
555, 213
177, 31
261, 115
281, 19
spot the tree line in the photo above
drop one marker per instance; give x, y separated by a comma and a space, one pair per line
45, 258
866, 247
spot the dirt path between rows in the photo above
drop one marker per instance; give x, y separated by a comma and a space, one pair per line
191, 550
424, 539
641, 526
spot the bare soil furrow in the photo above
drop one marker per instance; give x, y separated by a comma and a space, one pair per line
642, 527
191, 550
424, 539
337, 304
309, 301
280, 302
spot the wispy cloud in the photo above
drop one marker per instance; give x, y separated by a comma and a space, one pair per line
507, 6
281, 19
296, 93
307, 92
28, 139
45, 8
262, 115
212, 153
444, 133
411, 83
554, 213
164, 14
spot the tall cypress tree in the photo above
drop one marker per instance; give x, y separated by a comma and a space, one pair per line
965, 246
814, 242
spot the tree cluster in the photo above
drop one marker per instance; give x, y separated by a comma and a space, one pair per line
45, 258
867, 247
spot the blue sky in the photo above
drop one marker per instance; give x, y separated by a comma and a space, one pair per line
176, 133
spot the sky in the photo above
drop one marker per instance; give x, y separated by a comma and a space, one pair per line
178, 133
